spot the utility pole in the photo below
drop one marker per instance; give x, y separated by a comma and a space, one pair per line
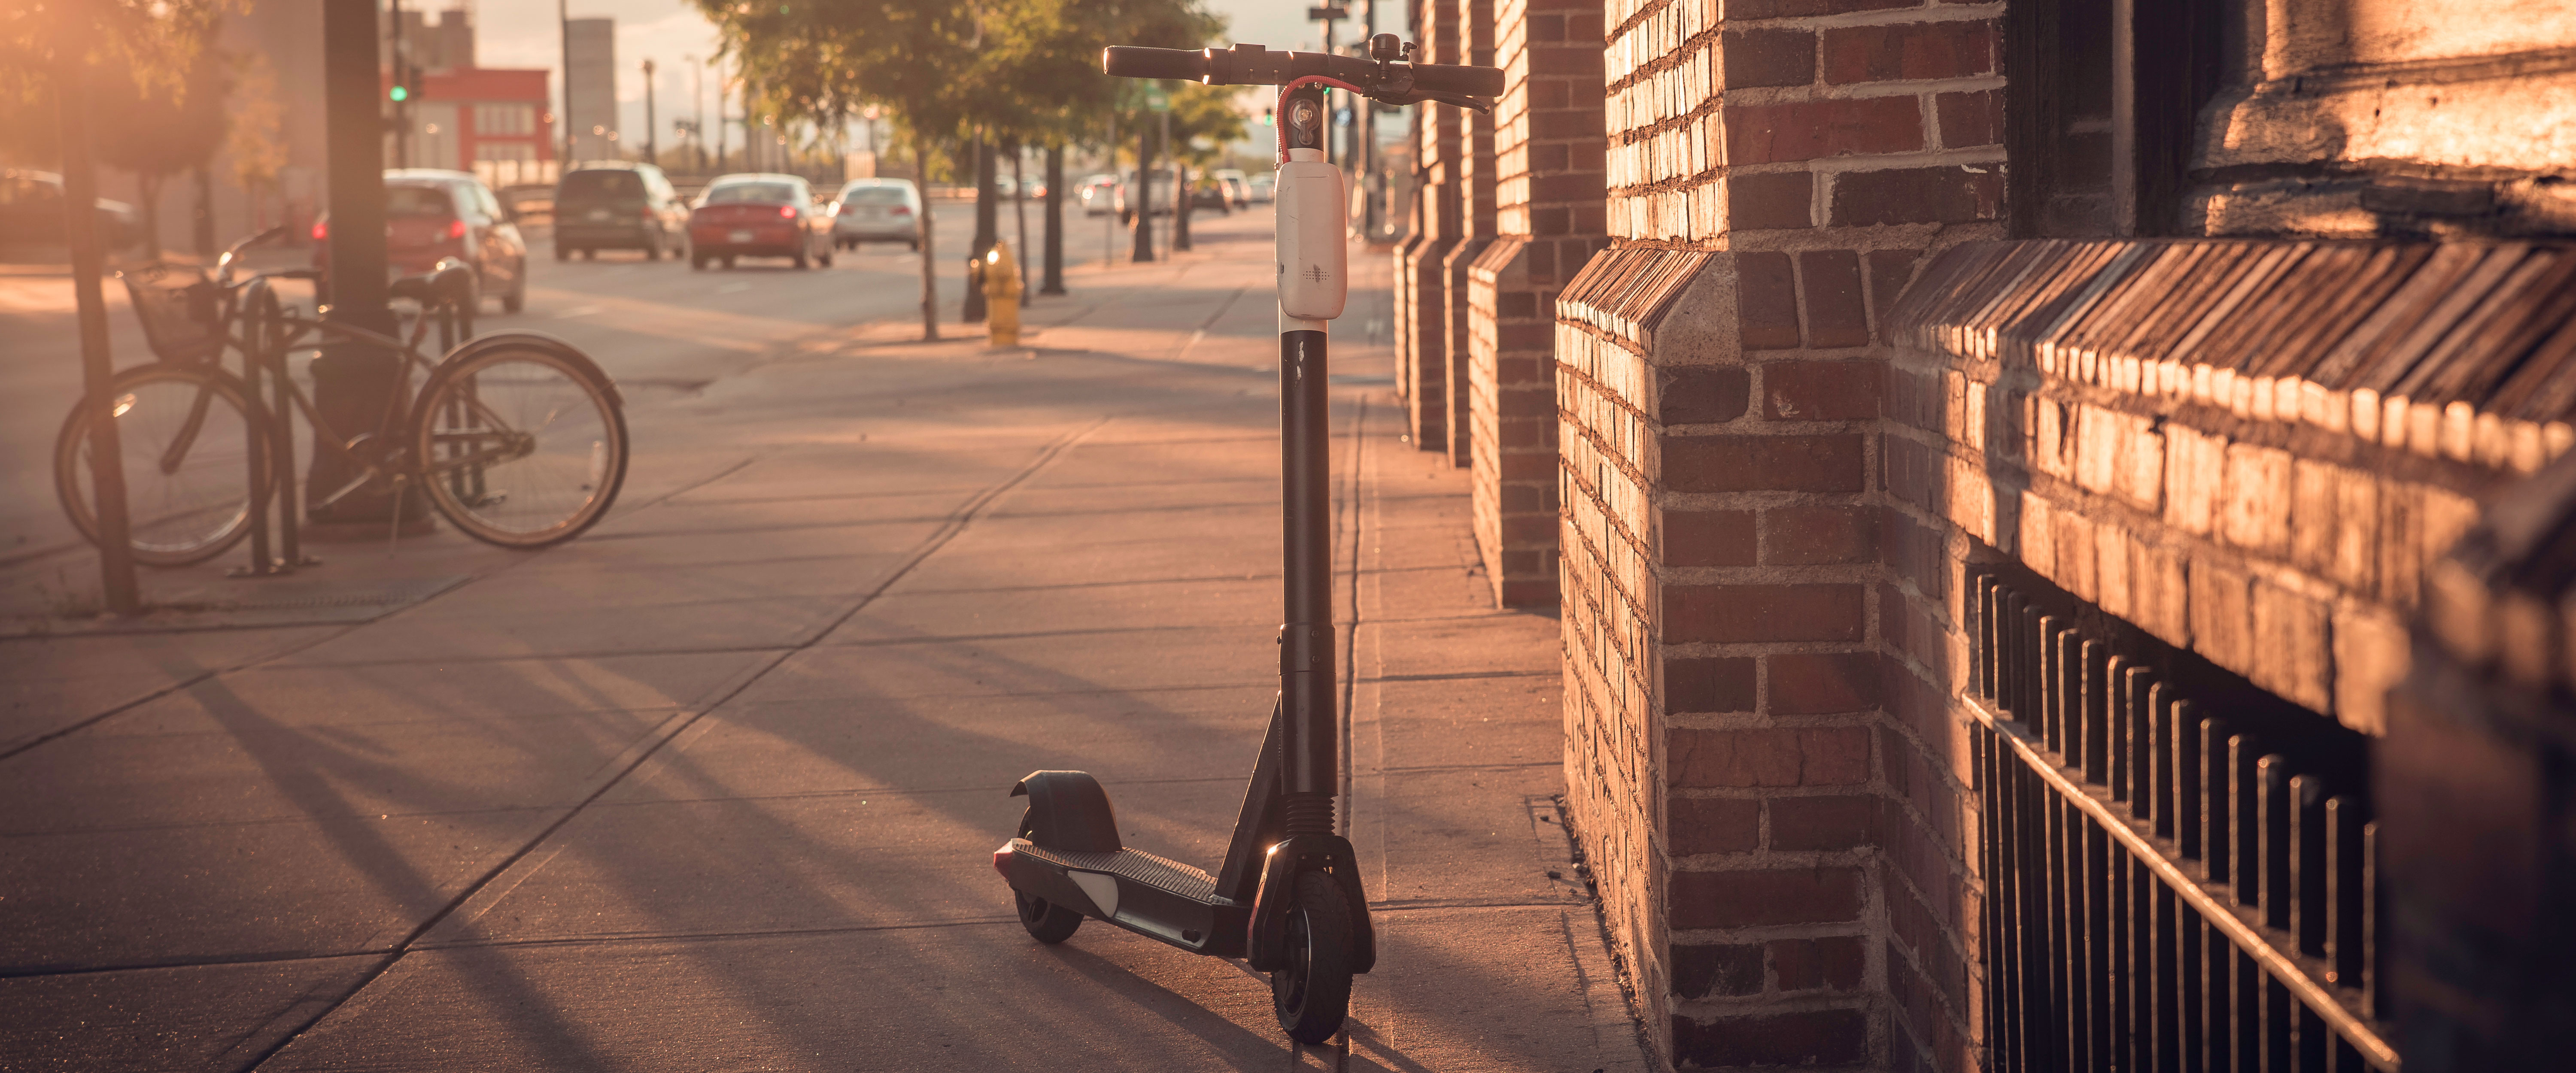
402, 98
650, 155
698, 111
1109, 221
563, 26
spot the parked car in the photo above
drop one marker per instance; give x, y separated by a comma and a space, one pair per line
31, 211
1099, 195
877, 210
431, 215
1158, 197
616, 205
758, 214
1238, 187
1033, 189
1211, 194
1263, 186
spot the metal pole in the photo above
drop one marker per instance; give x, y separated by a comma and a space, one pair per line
697, 110
651, 156
98, 367
563, 27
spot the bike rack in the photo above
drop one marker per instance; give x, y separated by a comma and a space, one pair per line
272, 455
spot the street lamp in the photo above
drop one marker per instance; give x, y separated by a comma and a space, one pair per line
650, 157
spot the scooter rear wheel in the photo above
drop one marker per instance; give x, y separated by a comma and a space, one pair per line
1047, 922
1312, 991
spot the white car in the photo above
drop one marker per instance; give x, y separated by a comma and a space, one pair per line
1262, 187
1099, 194
1237, 185
877, 210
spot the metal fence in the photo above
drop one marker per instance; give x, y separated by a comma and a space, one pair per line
2171, 886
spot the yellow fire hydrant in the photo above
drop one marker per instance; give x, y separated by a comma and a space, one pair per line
1001, 296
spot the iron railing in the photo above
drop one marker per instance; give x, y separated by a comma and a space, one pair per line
2168, 889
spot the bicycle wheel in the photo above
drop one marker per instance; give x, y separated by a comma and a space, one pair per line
183, 433
520, 446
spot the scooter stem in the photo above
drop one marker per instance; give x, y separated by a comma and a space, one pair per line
1311, 230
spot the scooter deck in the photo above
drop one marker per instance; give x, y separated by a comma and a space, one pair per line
1153, 896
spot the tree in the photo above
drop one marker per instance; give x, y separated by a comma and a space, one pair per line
159, 133
53, 53
1013, 69
254, 139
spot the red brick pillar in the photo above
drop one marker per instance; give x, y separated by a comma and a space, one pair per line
1548, 151
1475, 223
1422, 318
1779, 848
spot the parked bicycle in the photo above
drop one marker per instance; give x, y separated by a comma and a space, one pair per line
517, 439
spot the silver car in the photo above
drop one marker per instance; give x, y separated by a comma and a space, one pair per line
877, 210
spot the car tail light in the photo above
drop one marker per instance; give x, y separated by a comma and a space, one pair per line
900, 210
456, 229
322, 231
787, 212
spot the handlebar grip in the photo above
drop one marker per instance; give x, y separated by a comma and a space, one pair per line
1446, 78
1129, 61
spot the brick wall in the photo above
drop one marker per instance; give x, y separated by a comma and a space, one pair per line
1423, 351
1548, 152
1775, 798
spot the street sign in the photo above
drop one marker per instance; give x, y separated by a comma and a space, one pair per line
1327, 13
1156, 100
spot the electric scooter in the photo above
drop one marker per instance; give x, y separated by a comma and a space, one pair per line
1287, 897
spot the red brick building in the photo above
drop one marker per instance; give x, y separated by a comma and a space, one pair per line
493, 121
1993, 463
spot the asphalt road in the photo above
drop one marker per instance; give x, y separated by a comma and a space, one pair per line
650, 324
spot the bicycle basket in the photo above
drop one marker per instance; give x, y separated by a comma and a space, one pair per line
176, 304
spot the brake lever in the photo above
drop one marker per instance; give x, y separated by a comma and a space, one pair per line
1414, 96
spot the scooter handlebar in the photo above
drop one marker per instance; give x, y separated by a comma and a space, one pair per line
1253, 65
1129, 61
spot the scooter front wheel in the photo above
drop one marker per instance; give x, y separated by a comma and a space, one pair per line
1047, 922
1312, 989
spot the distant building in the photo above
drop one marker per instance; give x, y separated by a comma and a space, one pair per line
590, 83
498, 123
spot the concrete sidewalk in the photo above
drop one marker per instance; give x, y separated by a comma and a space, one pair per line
715, 787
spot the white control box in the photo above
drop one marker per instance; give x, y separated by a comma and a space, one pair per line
1314, 250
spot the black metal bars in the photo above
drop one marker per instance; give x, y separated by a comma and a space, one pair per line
2164, 893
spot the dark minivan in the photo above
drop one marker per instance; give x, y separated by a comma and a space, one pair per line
615, 205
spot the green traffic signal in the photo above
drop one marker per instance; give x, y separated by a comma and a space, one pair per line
400, 94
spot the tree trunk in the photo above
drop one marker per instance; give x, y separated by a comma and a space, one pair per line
204, 216
1020, 207
1054, 221
929, 254
1140, 197
987, 217
1180, 207
98, 366
148, 186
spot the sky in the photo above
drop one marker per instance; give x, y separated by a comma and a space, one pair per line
519, 34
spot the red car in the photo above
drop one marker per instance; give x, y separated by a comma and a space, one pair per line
432, 215
759, 215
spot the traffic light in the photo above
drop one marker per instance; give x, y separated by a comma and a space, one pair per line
1266, 117
399, 93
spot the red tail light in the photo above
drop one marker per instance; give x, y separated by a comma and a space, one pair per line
322, 231
787, 212
456, 229
900, 210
